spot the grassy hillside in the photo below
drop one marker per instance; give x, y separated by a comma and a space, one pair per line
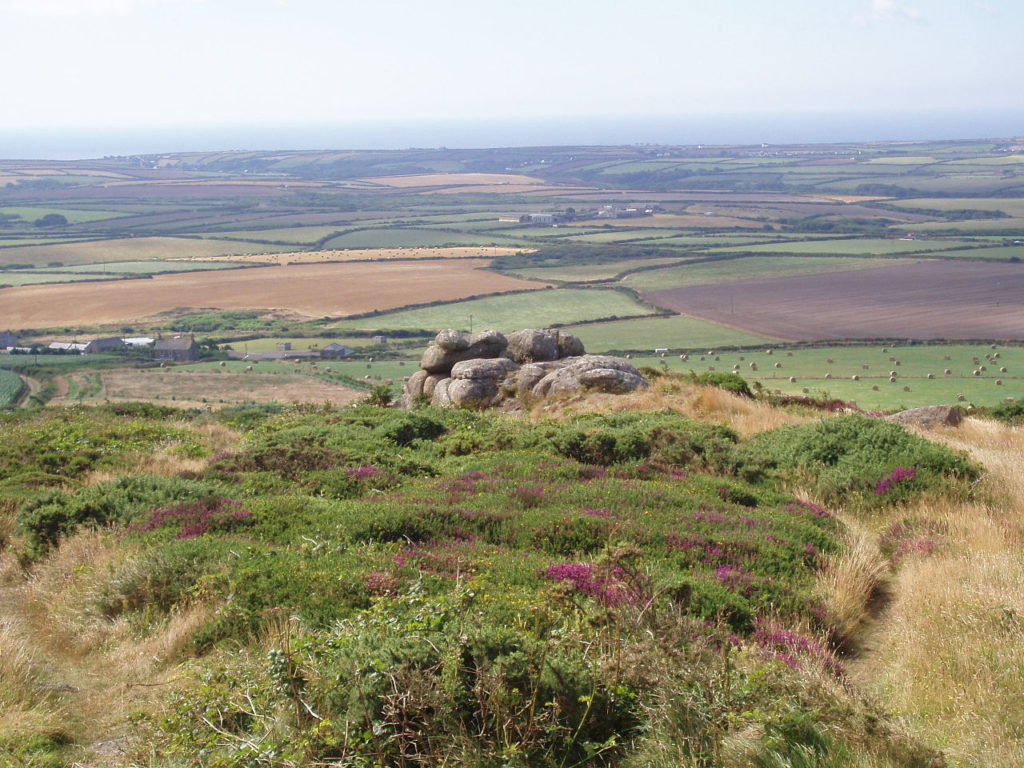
292, 586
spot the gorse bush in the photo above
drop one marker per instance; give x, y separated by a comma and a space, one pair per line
847, 459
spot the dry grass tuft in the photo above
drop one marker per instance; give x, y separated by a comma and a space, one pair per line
711, 404
852, 583
950, 651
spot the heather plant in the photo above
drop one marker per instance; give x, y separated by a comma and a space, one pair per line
859, 460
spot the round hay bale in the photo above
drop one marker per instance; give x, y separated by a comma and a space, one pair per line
1002, 369
999, 382
992, 347
711, 367
948, 371
885, 349
865, 367
830, 361
778, 365
753, 366
976, 372
805, 390
223, 363
896, 362
892, 379
961, 398
892, 373
983, 368
369, 359
248, 367
742, 357
702, 358
663, 354
401, 362
906, 388
367, 376
717, 358
874, 387
930, 376
684, 358
629, 357
828, 375
768, 352
946, 357
1009, 399
892, 359
789, 354
792, 379
855, 377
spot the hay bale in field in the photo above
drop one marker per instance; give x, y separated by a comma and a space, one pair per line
830, 361
999, 382
946, 357
892, 379
684, 358
855, 377
948, 371
789, 354
865, 367
906, 388
805, 390
960, 397
792, 379
892, 373
874, 387
976, 372
1003, 369
930, 376
768, 352
778, 365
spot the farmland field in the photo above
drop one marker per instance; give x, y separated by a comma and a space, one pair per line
1015, 225
926, 300
10, 387
13, 277
314, 290
915, 363
284, 235
128, 249
373, 254
148, 267
746, 268
413, 238
536, 309
852, 247
578, 272
450, 179
997, 252
186, 388
74, 216
675, 332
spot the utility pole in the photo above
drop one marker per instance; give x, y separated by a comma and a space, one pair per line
470, 323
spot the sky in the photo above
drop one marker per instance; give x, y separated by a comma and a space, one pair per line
123, 63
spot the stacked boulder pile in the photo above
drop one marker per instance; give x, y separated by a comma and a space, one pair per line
489, 368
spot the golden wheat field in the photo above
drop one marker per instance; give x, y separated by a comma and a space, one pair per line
313, 290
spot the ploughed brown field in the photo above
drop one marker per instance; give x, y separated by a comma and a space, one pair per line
314, 290
924, 300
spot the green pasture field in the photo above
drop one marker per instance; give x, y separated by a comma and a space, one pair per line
809, 366
905, 160
469, 226
657, 332
19, 241
298, 235
413, 238
130, 249
968, 225
1011, 206
621, 236
995, 252
152, 267
304, 343
588, 272
714, 241
1002, 160
74, 216
10, 387
745, 268
510, 312
19, 277
866, 246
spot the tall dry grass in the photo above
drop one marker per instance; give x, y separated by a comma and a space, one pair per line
745, 416
949, 651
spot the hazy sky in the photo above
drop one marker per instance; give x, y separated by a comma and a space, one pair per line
149, 62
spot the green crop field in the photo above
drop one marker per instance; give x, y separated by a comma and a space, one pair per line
10, 387
30, 213
657, 332
149, 267
298, 235
1014, 225
535, 309
1012, 206
580, 272
18, 277
620, 236
996, 252
747, 268
129, 249
413, 238
866, 246
912, 365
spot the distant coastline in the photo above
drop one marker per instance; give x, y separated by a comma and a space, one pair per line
823, 128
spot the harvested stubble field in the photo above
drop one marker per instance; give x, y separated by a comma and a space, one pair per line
129, 249
213, 388
926, 300
378, 254
314, 290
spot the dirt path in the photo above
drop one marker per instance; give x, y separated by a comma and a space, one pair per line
32, 386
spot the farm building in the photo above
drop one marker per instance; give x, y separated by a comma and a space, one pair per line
66, 346
336, 350
7, 340
138, 341
181, 349
102, 345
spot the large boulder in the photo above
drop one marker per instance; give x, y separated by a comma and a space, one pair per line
492, 368
592, 372
473, 393
440, 395
451, 347
929, 416
525, 379
569, 345
531, 346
